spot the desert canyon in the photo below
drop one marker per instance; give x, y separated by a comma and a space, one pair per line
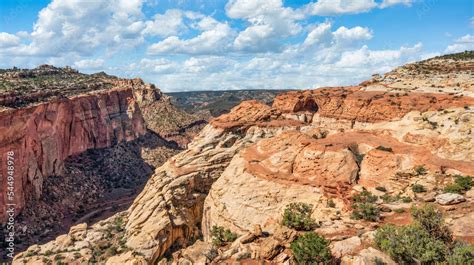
218, 190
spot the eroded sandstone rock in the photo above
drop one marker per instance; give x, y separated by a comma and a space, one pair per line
43, 136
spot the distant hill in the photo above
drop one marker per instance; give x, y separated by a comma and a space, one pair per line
219, 102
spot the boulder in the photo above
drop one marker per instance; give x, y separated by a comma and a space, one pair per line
449, 198
346, 246
368, 256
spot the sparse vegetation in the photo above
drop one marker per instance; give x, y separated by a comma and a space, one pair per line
365, 196
298, 216
426, 241
461, 184
366, 211
390, 199
418, 188
461, 253
399, 210
379, 188
58, 257
311, 249
364, 207
220, 235
331, 203
420, 170
383, 148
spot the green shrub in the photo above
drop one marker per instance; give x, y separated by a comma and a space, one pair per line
364, 207
461, 254
383, 148
432, 221
220, 236
408, 244
365, 196
58, 257
466, 182
379, 188
112, 251
366, 211
331, 203
389, 199
406, 199
417, 188
420, 170
297, 215
118, 223
453, 188
399, 210
311, 249
461, 184
426, 241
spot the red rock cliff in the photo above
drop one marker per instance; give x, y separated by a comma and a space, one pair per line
44, 135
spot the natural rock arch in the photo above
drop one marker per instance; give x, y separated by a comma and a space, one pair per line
310, 105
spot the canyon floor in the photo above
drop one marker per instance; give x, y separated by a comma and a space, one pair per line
313, 176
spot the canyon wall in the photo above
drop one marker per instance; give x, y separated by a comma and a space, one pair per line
42, 136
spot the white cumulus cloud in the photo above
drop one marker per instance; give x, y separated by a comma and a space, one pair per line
465, 43
214, 40
388, 3
89, 64
270, 22
8, 40
340, 7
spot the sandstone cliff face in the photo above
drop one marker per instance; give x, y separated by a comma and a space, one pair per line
168, 212
44, 135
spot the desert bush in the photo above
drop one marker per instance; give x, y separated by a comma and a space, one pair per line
453, 188
418, 188
58, 257
331, 203
387, 198
383, 148
311, 249
366, 211
409, 244
380, 188
399, 210
420, 170
426, 241
365, 196
461, 253
461, 184
297, 215
432, 221
364, 207
220, 236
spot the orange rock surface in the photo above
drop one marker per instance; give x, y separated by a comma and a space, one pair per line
44, 135
365, 106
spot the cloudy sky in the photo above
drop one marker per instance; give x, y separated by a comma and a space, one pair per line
183, 45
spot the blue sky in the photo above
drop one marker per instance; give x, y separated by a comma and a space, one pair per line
233, 44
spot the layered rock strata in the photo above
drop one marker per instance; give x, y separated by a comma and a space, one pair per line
43, 136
